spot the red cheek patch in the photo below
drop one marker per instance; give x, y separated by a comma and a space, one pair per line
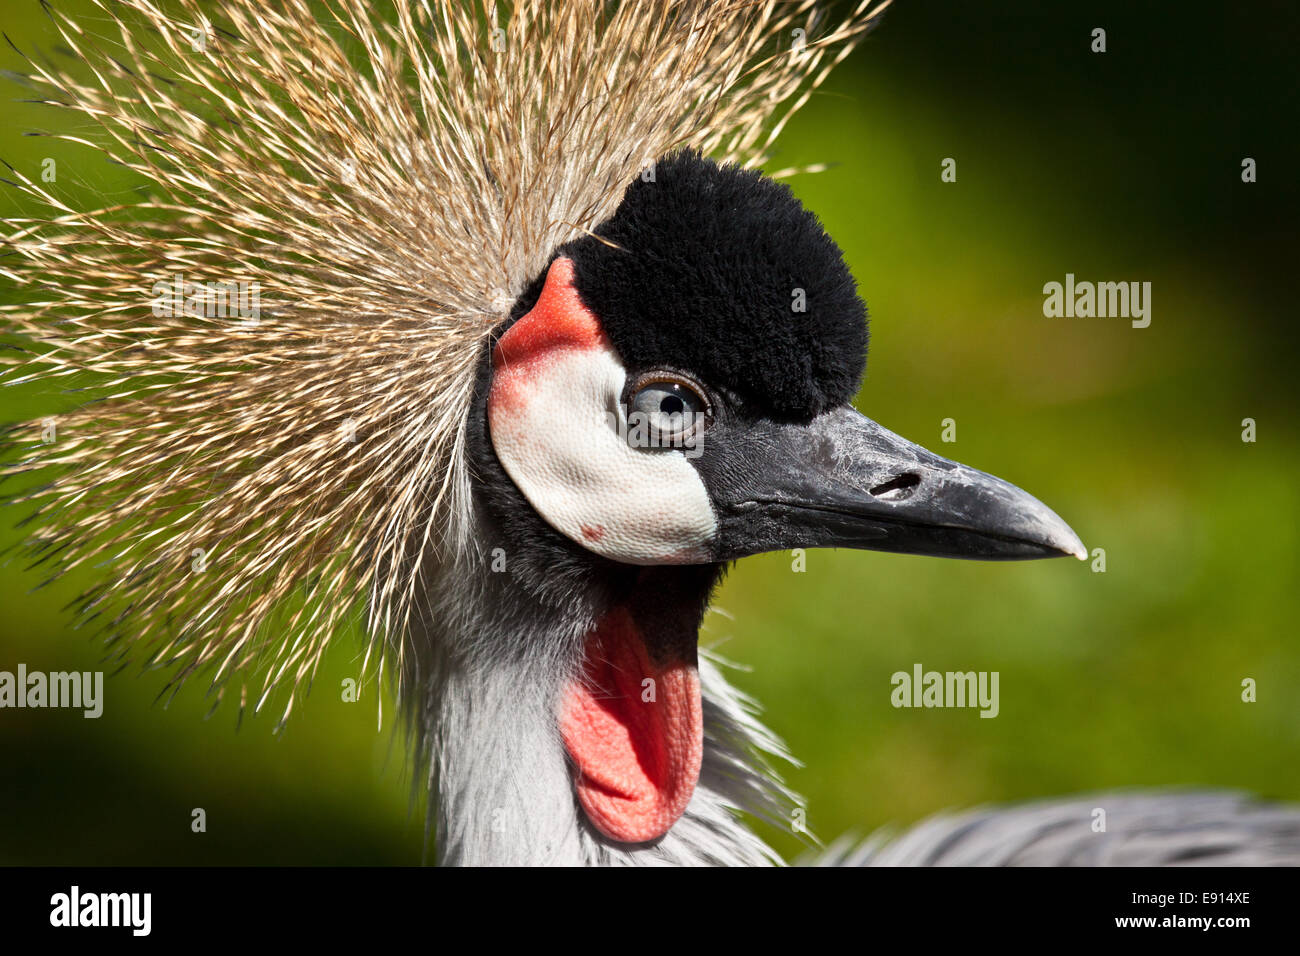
559, 320
635, 731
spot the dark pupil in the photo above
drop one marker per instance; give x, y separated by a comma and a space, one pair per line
672, 405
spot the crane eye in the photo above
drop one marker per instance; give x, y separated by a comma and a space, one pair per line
666, 411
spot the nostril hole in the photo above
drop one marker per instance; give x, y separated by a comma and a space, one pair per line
896, 489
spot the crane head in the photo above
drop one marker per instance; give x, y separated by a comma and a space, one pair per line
676, 390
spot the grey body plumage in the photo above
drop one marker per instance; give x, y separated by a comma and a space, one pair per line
1141, 828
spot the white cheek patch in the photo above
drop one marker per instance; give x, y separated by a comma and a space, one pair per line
561, 436
556, 430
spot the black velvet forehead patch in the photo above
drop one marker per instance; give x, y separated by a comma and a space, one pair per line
722, 273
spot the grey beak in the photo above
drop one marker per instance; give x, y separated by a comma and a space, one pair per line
844, 481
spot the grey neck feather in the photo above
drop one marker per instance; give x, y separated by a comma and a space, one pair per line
481, 682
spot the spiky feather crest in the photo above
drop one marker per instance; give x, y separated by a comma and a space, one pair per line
391, 179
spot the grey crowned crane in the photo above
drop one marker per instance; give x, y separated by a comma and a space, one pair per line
517, 412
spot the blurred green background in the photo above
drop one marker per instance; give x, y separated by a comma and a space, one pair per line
1115, 166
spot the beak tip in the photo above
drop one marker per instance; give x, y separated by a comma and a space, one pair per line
1073, 546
